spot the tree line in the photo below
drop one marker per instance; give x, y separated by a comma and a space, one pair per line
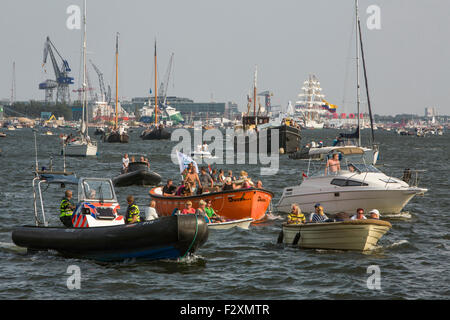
33, 109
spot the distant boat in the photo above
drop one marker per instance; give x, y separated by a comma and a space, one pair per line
254, 125
118, 133
158, 131
138, 174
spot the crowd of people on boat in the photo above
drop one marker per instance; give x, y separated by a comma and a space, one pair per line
318, 216
193, 183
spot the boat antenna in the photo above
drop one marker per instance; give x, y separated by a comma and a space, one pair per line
35, 150
366, 83
358, 94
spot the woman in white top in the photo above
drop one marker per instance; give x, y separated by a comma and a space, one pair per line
150, 212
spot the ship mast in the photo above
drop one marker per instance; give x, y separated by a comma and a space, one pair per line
156, 91
117, 82
358, 89
85, 111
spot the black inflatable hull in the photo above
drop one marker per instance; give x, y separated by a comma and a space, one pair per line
139, 177
156, 134
165, 238
115, 137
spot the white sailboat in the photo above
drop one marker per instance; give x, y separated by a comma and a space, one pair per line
82, 145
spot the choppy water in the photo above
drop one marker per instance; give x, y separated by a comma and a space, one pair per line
233, 264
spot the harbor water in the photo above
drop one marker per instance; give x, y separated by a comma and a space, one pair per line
413, 257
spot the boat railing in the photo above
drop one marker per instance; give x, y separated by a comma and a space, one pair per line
411, 176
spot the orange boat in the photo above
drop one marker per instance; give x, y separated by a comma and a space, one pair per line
232, 205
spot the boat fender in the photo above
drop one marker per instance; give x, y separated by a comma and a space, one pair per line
280, 237
296, 239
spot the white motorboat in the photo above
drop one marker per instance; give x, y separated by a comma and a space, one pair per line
356, 235
356, 185
201, 152
240, 223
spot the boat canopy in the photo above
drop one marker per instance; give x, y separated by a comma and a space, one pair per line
58, 177
345, 150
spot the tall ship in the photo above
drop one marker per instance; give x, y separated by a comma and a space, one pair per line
258, 122
311, 108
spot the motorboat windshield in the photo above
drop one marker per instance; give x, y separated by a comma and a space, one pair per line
90, 189
351, 159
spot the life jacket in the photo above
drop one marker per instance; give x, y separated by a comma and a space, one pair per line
132, 211
64, 208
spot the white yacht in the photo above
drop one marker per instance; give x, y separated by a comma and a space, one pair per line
356, 185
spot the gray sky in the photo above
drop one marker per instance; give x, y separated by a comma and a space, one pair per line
218, 43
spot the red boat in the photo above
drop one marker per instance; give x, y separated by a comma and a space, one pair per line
232, 205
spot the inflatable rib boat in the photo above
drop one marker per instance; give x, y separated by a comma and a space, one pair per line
100, 233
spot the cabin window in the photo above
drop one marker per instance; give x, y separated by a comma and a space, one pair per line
347, 183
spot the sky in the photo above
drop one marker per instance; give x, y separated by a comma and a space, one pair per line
217, 44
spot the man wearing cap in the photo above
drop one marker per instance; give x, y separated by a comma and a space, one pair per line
374, 214
359, 215
318, 215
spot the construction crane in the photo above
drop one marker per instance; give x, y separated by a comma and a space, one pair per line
103, 93
63, 80
164, 85
267, 103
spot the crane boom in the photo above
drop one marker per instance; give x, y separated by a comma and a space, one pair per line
61, 73
100, 80
165, 83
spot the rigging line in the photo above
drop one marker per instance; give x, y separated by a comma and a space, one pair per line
366, 84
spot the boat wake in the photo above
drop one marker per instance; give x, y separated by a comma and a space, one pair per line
270, 217
402, 215
397, 244
12, 248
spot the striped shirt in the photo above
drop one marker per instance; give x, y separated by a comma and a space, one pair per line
314, 217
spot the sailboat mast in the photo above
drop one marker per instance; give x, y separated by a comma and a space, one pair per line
85, 111
116, 120
358, 89
156, 90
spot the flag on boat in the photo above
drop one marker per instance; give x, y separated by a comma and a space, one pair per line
330, 107
184, 160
